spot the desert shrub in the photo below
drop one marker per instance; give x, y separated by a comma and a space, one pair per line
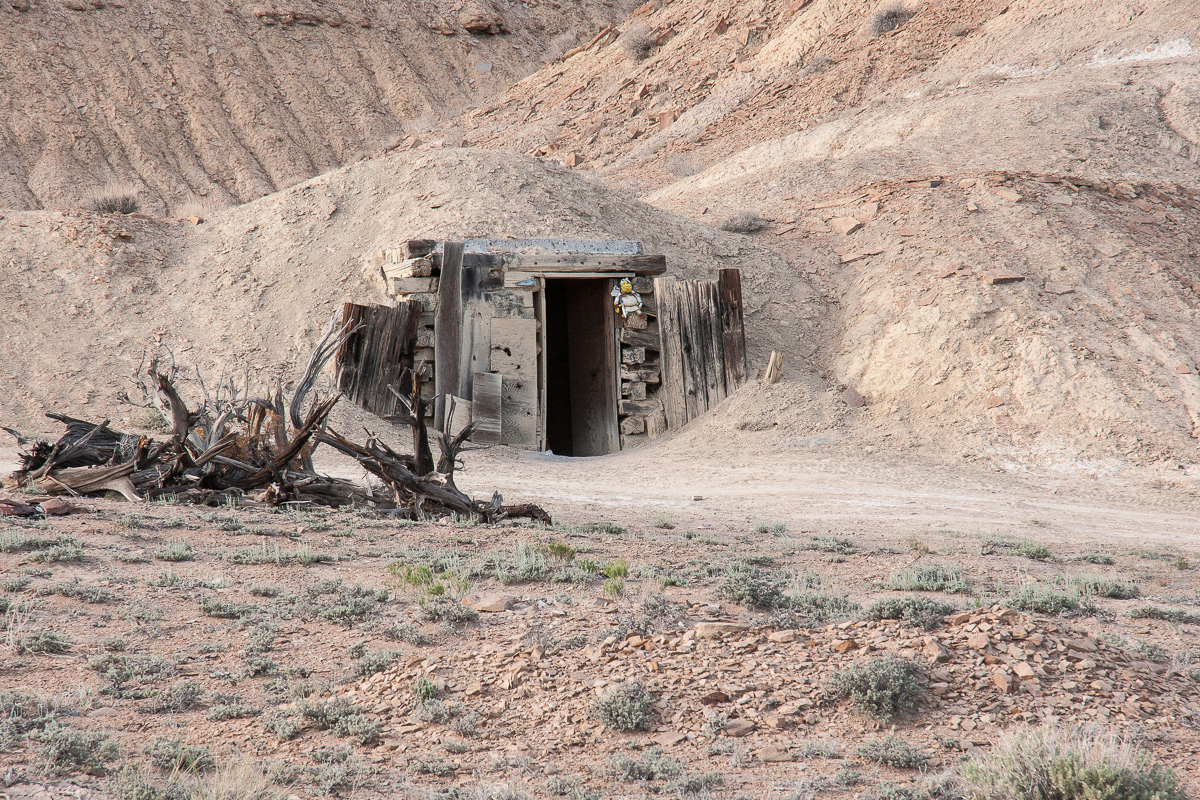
663, 522
638, 41
833, 544
375, 661
226, 711
86, 593
21, 713
920, 611
68, 750
173, 755
176, 551
1043, 600
18, 584
407, 633
811, 609
1110, 586
653, 765
890, 18
264, 590
446, 609
1035, 551
256, 665
283, 727
1066, 764
883, 687
698, 784
129, 675
58, 552
1097, 558
131, 783
928, 579
117, 197
753, 587
35, 642
745, 222
341, 717
626, 707
1174, 615
893, 752
180, 697
222, 610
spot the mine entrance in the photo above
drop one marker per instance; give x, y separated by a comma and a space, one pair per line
581, 367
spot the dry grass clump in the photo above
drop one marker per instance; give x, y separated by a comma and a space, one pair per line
890, 18
1067, 764
745, 222
117, 197
638, 41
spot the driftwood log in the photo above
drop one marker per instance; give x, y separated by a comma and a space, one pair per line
238, 449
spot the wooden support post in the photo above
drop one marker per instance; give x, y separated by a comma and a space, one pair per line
733, 328
448, 329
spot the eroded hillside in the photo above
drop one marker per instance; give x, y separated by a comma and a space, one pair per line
220, 103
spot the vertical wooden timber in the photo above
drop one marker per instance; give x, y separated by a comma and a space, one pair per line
670, 353
733, 329
540, 315
695, 395
448, 330
612, 367
474, 340
715, 365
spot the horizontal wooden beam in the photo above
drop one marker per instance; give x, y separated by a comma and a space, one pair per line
588, 262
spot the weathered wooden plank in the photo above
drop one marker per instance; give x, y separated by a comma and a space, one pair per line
640, 407
712, 302
375, 356
646, 337
475, 340
695, 396
588, 262
647, 373
514, 355
448, 328
733, 329
485, 407
671, 393
463, 413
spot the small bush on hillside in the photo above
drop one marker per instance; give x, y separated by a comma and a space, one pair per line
890, 18
176, 551
68, 750
117, 197
920, 611
36, 642
893, 752
1107, 586
929, 579
750, 586
1066, 764
1035, 551
1042, 600
131, 783
625, 708
745, 222
173, 755
1166, 614
638, 41
882, 688
652, 766
407, 633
